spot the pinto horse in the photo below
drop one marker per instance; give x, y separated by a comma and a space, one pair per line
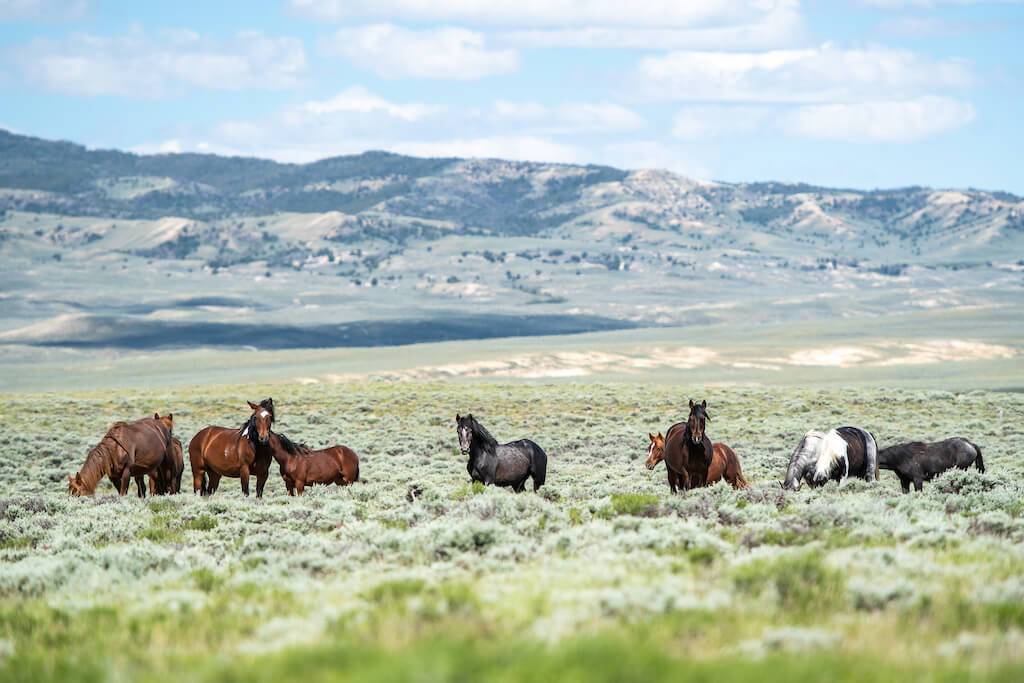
687, 462
833, 455
217, 452
127, 450
301, 466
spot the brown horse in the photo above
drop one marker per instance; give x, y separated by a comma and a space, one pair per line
301, 466
217, 452
724, 464
174, 466
687, 461
128, 449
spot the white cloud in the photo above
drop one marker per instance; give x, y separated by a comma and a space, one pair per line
444, 53
906, 121
358, 100
892, 121
928, 4
165, 147
578, 117
549, 13
50, 10
822, 74
147, 65
709, 121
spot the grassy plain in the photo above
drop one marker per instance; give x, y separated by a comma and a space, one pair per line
414, 574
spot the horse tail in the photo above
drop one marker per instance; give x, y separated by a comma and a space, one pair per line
870, 455
978, 462
538, 466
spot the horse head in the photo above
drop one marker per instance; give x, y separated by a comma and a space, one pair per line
167, 421
464, 425
76, 487
656, 451
261, 420
696, 422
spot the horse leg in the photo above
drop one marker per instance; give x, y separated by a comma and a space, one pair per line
126, 478
243, 475
918, 484
300, 486
904, 483
213, 481
197, 482
261, 481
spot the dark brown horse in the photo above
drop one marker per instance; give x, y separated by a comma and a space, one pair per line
127, 450
174, 466
302, 466
685, 450
217, 452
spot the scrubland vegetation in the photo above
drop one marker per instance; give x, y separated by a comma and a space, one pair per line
416, 574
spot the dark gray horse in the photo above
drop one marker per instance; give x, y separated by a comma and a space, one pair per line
919, 462
508, 464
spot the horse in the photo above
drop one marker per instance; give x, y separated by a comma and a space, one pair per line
217, 452
833, 455
127, 450
174, 466
491, 463
919, 462
725, 464
687, 451
300, 465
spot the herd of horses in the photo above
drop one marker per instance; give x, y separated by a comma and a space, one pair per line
147, 449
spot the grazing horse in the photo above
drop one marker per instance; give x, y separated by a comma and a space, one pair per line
835, 455
725, 464
919, 462
217, 452
301, 466
508, 464
127, 450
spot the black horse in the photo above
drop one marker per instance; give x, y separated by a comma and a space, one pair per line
919, 462
508, 464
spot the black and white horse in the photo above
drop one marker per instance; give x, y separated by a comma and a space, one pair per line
491, 463
919, 462
833, 455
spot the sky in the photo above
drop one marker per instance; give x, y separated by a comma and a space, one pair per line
844, 93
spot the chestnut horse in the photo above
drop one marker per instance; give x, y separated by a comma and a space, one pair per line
128, 449
301, 466
687, 461
217, 452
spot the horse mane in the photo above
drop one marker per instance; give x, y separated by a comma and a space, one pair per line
833, 450
480, 432
97, 461
248, 430
292, 447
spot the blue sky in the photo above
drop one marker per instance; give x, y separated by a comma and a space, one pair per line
848, 93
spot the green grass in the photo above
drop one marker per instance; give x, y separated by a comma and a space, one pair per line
603, 576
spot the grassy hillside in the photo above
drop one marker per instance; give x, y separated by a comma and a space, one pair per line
417, 575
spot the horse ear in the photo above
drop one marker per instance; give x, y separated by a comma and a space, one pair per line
458, 418
156, 416
660, 436
253, 405
704, 404
78, 477
691, 403
650, 435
